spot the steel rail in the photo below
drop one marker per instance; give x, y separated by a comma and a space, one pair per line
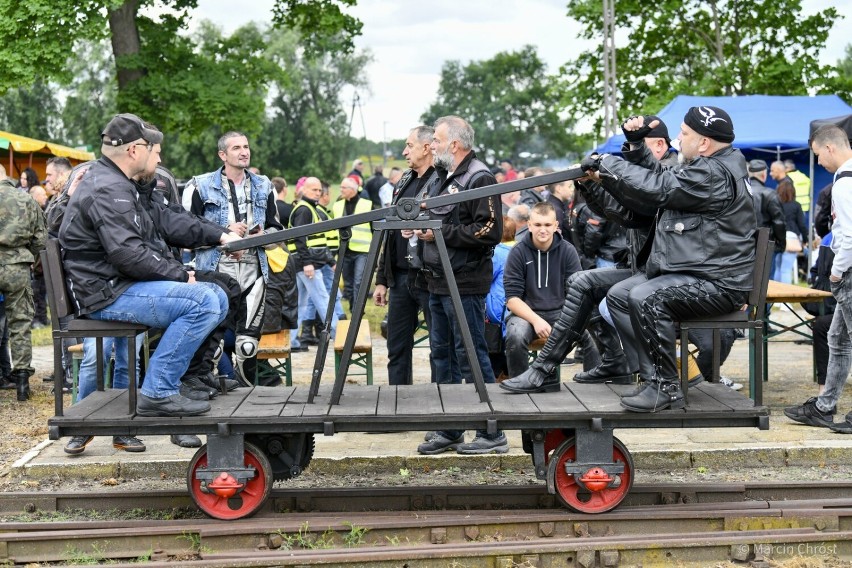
630, 536
428, 498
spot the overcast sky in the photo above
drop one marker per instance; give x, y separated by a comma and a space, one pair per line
410, 41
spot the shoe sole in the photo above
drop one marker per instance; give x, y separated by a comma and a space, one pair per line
79, 450
677, 405
164, 414
131, 449
616, 380
453, 446
480, 451
808, 421
543, 388
195, 443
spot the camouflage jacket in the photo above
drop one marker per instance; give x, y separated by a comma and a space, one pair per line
22, 228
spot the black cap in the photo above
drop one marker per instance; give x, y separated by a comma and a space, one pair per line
125, 128
659, 131
711, 122
755, 166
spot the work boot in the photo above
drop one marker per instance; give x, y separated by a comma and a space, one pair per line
541, 376
657, 395
609, 371
215, 381
6, 381
613, 367
307, 337
22, 382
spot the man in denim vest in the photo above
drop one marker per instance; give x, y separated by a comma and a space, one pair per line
234, 197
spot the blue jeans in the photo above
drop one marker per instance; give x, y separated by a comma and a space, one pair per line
187, 313
839, 345
313, 289
328, 277
785, 263
353, 273
87, 377
604, 263
444, 328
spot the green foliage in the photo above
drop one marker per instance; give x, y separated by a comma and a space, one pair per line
306, 539
324, 26
307, 132
720, 47
508, 101
355, 536
91, 99
38, 36
30, 111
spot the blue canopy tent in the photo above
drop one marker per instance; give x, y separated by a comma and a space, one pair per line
766, 127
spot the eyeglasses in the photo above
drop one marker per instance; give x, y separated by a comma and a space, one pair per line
148, 145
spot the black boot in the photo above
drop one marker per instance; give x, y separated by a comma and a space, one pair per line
657, 395
541, 376
613, 367
22, 381
6, 381
307, 337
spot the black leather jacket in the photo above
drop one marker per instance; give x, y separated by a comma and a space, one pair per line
707, 223
471, 229
111, 239
769, 213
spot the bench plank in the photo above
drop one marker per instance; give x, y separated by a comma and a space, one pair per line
363, 341
505, 402
274, 345
357, 401
262, 402
419, 399
462, 399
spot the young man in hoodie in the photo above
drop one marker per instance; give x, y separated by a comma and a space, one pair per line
534, 279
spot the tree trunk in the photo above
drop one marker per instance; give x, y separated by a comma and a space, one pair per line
125, 41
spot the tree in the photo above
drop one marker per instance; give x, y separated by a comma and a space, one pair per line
307, 130
159, 73
91, 95
508, 102
30, 111
701, 47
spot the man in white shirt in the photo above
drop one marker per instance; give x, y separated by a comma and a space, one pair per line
831, 146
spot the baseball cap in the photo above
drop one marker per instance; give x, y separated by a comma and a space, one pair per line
125, 128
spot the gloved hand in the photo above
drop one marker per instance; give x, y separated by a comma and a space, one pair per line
635, 135
591, 162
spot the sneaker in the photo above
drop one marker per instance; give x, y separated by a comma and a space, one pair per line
483, 445
844, 427
77, 444
440, 444
730, 384
429, 435
128, 444
185, 440
809, 414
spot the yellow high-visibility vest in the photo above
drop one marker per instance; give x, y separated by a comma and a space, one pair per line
361, 234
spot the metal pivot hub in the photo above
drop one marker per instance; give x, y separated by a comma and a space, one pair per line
229, 479
589, 484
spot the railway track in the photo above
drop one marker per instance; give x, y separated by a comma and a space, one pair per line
700, 525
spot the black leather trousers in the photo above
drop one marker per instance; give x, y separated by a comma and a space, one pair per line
645, 311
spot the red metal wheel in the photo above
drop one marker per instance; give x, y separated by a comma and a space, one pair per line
552, 440
242, 504
607, 496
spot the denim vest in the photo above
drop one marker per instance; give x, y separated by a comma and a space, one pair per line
217, 203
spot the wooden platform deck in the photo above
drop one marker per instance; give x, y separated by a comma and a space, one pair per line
418, 407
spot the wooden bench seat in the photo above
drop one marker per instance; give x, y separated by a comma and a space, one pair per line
362, 351
275, 347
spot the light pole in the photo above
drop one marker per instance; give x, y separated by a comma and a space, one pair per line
384, 144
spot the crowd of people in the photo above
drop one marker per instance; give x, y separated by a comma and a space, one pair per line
607, 265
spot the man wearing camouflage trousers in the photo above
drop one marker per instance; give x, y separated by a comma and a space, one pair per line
22, 236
